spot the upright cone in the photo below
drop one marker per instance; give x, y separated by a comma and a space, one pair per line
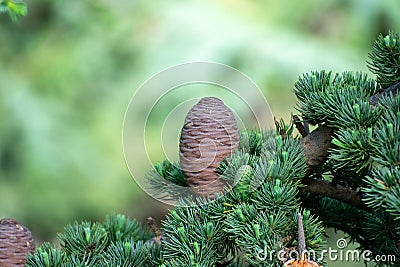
209, 135
16, 242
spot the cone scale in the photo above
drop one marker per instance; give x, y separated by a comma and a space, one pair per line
16, 242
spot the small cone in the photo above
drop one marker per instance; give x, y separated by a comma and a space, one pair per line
208, 136
16, 242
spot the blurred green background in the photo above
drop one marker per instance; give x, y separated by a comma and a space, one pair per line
69, 69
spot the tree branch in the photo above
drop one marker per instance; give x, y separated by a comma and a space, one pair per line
338, 192
316, 145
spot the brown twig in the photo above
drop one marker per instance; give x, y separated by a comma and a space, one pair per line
157, 232
301, 127
394, 89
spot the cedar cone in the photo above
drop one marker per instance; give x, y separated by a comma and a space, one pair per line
208, 136
16, 242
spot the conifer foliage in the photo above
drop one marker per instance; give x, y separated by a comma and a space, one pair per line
345, 174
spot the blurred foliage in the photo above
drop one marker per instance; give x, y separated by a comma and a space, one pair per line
69, 68
15, 9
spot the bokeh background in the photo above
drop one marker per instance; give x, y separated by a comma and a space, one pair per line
69, 69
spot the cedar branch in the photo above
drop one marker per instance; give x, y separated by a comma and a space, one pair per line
338, 192
316, 145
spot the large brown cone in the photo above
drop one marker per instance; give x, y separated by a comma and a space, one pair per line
209, 135
16, 242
